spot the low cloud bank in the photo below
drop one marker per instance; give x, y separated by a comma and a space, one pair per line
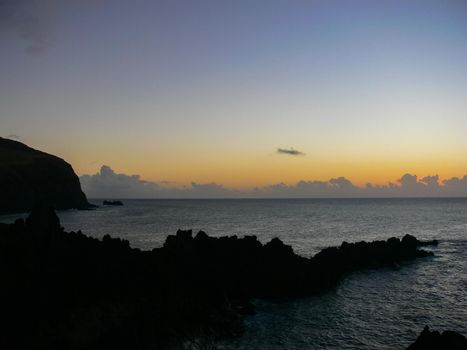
109, 184
407, 186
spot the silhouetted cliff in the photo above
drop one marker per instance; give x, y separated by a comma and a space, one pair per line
29, 177
68, 291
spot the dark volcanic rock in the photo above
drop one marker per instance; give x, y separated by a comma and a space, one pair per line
29, 177
433, 340
273, 270
64, 290
43, 219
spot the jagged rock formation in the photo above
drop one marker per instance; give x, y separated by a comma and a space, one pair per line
247, 268
434, 340
66, 290
29, 177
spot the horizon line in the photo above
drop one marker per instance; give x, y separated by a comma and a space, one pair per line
275, 198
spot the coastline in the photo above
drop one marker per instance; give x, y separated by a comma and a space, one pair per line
210, 281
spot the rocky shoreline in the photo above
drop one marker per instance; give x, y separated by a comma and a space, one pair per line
65, 290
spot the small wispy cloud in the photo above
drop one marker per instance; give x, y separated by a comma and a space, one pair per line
31, 21
34, 50
12, 137
290, 152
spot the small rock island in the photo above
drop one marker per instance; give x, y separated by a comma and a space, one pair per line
112, 203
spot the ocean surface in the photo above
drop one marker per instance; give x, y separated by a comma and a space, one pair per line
372, 309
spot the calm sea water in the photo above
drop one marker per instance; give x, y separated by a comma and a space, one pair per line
375, 309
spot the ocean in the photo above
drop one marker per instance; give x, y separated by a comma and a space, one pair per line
372, 309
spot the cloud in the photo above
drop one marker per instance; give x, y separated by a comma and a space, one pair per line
342, 183
455, 187
109, 184
167, 182
290, 152
28, 20
34, 50
36, 23
407, 186
12, 137
333, 188
209, 190
432, 181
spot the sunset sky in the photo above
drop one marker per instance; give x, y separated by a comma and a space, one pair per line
208, 91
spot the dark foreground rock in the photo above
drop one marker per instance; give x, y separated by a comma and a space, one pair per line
434, 340
68, 291
29, 177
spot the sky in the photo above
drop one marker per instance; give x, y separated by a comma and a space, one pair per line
243, 95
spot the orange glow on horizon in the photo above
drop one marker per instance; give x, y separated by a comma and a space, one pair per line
182, 163
250, 174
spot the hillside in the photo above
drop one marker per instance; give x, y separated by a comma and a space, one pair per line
29, 177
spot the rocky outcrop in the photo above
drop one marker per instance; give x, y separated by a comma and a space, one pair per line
66, 290
247, 268
434, 340
29, 177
